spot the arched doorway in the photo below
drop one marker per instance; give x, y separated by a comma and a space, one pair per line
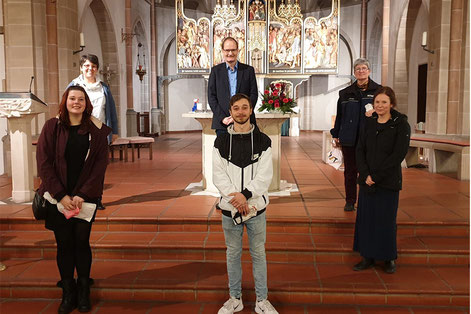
109, 52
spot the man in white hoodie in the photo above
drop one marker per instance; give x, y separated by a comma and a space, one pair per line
242, 172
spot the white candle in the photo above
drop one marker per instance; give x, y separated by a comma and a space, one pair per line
424, 39
82, 40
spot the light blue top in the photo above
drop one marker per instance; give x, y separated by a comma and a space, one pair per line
232, 78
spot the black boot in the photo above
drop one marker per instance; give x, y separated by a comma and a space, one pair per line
83, 298
69, 296
100, 205
364, 264
390, 267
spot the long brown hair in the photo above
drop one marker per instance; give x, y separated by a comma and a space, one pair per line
64, 113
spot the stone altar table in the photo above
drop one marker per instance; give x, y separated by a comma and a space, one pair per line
268, 123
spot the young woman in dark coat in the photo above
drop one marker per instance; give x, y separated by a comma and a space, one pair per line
382, 146
72, 155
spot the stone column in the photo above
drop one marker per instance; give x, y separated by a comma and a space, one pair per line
131, 115
154, 111
364, 25
52, 56
19, 44
464, 119
308, 103
385, 58
455, 66
22, 163
438, 70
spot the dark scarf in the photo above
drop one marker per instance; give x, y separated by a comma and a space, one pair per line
364, 86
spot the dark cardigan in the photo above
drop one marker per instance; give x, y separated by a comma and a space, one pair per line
381, 149
52, 165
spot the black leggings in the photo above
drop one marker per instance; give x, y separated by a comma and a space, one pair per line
73, 248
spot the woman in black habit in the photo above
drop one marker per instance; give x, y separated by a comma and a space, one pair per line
382, 146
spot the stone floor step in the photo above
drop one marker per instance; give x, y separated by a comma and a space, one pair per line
210, 246
288, 283
109, 306
292, 225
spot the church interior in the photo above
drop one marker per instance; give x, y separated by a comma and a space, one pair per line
158, 246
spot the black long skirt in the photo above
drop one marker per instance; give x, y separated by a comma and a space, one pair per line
375, 226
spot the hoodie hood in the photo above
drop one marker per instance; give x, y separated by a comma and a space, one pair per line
396, 117
230, 130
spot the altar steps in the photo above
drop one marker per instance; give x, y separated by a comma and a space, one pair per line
289, 283
47, 306
184, 262
209, 246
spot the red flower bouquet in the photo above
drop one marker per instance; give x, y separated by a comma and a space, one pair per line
274, 98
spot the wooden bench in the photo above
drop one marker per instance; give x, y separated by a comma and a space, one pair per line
140, 142
122, 145
448, 153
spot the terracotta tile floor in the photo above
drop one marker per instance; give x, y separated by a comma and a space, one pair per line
154, 190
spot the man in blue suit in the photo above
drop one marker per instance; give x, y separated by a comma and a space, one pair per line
227, 79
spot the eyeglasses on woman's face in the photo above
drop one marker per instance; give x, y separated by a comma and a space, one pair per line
361, 69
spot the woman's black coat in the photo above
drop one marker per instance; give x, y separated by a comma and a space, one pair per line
381, 149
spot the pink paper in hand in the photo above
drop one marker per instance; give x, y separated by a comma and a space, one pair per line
71, 213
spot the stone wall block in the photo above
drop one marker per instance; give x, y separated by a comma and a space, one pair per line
19, 12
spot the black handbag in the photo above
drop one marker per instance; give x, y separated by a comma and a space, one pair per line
39, 206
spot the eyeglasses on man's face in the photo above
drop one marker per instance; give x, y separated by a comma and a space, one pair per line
231, 50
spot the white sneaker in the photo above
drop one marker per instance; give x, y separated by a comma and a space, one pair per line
231, 306
265, 307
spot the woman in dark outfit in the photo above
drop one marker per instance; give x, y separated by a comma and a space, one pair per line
382, 146
72, 155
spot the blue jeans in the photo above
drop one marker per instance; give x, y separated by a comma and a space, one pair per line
257, 232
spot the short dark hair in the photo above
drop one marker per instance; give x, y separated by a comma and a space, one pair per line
361, 61
238, 97
225, 39
90, 57
388, 91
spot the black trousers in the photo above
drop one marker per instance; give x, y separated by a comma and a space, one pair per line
73, 248
350, 173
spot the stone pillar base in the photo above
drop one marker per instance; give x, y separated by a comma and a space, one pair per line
22, 163
22, 196
131, 122
155, 116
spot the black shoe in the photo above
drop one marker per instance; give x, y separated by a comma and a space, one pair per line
100, 205
83, 295
69, 296
364, 264
349, 207
389, 267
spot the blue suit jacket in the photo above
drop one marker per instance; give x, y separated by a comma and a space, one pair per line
219, 93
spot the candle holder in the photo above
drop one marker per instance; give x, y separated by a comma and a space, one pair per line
141, 66
77, 51
82, 45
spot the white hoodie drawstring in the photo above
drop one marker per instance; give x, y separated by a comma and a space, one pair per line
230, 146
251, 146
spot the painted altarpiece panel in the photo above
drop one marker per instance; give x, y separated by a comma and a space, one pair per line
284, 40
257, 35
321, 42
234, 27
271, 35
192, 43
